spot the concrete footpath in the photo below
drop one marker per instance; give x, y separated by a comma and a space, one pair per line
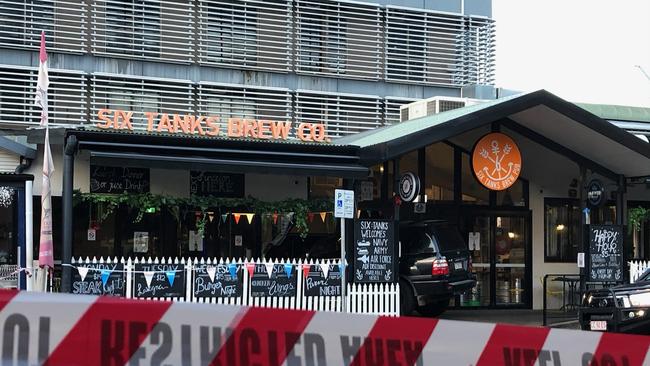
506, 316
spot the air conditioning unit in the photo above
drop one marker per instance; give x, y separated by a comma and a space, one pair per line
434, 105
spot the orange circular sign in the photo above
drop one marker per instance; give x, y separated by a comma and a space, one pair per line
496, 161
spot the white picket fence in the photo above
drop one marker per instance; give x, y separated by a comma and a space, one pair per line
637, 268
376, 299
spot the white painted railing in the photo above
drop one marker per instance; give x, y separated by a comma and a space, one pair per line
637, 268
378, 299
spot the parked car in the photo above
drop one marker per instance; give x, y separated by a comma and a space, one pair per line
623, 308
435, 265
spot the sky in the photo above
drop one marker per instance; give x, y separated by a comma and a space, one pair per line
580, 50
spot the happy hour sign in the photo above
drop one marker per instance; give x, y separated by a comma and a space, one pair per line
605, 253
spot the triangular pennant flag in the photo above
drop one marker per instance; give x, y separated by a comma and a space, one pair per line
171, 275
105, 274
250, 267
211, 216
323, 215
269, 269
288, 269
250, 217
325, 268
224, 217
305, 270
237, 217
148, 276
83, 271
310, 216
232, 268
212, 270
275, 218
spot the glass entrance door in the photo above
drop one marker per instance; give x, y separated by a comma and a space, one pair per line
500, 247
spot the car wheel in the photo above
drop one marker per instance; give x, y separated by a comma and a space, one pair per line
406, 298
434, 309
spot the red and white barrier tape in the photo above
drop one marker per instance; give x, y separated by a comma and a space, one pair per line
56, 329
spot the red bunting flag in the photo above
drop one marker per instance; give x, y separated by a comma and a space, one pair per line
250, 267
305, 270
237, 217
275, 218
310, 216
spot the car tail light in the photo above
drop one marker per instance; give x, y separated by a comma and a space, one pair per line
440, 267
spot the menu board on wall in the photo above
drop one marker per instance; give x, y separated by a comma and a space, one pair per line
159, 280
110, 179
374, 251
219, 280
98, 279
319, 283
605, 259
216, 184
280, 282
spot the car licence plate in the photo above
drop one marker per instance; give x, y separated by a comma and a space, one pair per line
458, 265
598, 325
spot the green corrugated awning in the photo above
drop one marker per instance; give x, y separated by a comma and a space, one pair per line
618, 112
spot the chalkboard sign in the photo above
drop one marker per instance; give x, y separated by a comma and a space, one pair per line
316, 284
159, 280
216, 184
374, 251
279, 284
109, 179
605, 259
98, 279
217, 280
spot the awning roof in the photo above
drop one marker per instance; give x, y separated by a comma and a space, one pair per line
540, 116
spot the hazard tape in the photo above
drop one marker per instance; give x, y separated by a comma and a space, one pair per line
57, 329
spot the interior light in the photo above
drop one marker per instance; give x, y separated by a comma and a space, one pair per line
511, 235
559, 227
381, 168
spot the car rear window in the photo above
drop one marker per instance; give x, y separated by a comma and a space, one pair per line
449, 238
419, 242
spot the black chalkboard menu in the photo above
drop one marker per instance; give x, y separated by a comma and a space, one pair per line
282, 282
109, 179
317, 285
216, 184
159, 280
374, 251
98, 279
220, 280
605, 258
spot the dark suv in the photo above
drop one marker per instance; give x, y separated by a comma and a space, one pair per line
435, 265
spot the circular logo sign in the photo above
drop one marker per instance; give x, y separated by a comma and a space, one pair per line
496, 161
409, 187
595, 193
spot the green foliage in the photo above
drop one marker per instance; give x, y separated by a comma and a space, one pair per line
140, 202
636, 216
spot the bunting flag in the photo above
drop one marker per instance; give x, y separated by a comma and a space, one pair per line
310, 216
46, 247
232, 268
249, 217
250, 267
105, 274
211, 216
212, 270
325, 267
269, 269
288, 269
237, 217
148, 276
171, 275
275, 218
224, 217
305, 270
83, 271
323, 215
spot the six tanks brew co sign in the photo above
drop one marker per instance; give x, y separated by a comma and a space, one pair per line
159, 280
605, 260
99, 279
374, 251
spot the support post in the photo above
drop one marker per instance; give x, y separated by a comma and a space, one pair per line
68, 176
582, 233
29, 233
621, 219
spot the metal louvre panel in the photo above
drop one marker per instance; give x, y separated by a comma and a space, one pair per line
236, 101
64, 22
251, 34
391, 109
339, 38
140, 95
478, 51
342, 114
66, 97
148, 29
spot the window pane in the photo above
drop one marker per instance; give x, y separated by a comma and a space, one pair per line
473, 191
513, 196
439, 170
409, 163
562, 229
323, 187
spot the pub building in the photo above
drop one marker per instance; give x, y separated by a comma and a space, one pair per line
514, 174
